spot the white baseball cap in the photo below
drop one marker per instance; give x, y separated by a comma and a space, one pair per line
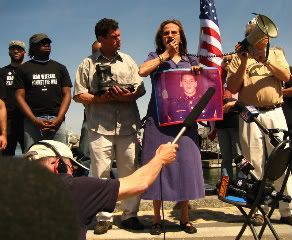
39, 150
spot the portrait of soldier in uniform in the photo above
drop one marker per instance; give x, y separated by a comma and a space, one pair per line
184, 89
180, 107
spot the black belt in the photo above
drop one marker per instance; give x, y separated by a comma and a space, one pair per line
268, 108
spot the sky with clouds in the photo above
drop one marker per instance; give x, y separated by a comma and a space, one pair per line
70, 25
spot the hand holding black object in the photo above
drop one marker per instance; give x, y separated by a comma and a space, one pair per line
200, 106
121, 94
241, 52
172, 47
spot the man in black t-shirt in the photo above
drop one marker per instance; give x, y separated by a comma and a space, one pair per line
43, 93
92, 195
14, 114
3, 118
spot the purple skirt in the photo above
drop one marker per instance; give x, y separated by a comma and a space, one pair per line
181, 180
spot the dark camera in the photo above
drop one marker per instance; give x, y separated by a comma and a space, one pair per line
104, 73
105, 81
103, 70
109, 87
130, 88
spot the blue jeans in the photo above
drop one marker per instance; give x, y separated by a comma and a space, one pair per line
33, 134
230, 147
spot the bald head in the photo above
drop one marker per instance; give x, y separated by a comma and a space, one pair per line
95, 46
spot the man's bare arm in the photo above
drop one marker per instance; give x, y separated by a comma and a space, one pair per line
140, 180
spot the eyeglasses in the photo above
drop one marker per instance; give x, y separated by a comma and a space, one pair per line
173, 33
73, 168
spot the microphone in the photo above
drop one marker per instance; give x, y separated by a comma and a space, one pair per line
195, 113
169, 40
245, 166
247, 113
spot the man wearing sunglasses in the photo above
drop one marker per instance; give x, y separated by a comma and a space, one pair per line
89, 194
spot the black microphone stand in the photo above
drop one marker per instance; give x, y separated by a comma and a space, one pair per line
187, 123
275, 141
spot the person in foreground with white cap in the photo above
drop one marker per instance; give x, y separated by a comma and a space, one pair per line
43, 93
14, 114
92, 195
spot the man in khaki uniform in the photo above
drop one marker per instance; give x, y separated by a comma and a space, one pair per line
258, 82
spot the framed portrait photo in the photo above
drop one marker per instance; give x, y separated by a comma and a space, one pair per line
178, 91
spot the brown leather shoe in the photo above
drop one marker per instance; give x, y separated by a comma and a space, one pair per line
102, 227
257, 220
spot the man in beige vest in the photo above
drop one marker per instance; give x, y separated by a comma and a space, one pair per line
108, 84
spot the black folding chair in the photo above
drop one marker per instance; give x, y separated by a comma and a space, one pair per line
278, 163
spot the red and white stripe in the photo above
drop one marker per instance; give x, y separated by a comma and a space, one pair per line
210, 44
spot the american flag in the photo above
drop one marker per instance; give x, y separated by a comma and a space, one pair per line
210, 40
210, 44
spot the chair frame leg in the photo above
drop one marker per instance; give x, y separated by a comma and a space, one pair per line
255, 204
268, 222
247, 222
